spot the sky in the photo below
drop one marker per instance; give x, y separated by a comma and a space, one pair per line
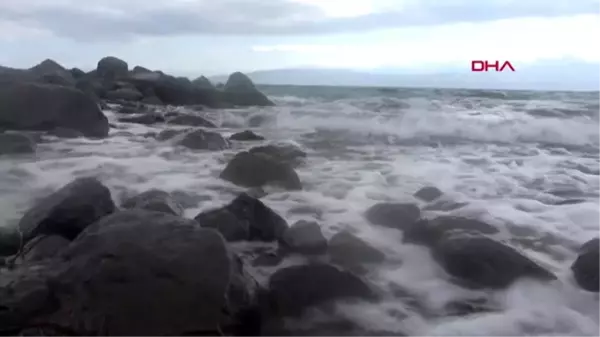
221, 36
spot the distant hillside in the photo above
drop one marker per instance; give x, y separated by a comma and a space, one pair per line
546, 76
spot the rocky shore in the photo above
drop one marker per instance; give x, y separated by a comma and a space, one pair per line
78, 263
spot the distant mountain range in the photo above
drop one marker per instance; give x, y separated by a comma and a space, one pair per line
564, 75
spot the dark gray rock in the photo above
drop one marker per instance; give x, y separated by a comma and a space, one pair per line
146, 119
26, 106
152, 273
10, 241
69, 210
191, 120
304, 237
294, 289
255, 170
245, 218
132, 110
128, 94
246, 135
63, 78
44, 247
481, 262
154, 200
585, 267
393, 215
77, 73
66, 133
203, 82
47, 66
152, 100
170, 134
284, 153
239, 90
112, 68
428, 193
16, 143
203, 140
91, 87
350, 251
140, 70
429, 231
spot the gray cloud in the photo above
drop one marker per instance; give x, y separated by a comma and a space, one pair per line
113, 20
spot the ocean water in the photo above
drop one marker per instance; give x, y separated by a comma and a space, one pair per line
526, 162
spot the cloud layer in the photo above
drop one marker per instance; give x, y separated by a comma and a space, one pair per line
117, 19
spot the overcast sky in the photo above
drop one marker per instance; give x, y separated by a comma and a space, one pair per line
220, 36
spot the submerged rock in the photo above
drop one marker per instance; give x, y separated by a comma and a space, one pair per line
28, 106
284, 153
203, 140
246, 136
481, 262
294, 289
16, 143
304, 237
350, 251
585, 267
245, 218
393, 215
154, 200
428, 193
255, 170
429, 231
69, 210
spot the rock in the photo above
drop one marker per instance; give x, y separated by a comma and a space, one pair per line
428, 193
152, 273
256, 170
128, 94
284, 153
246, 136
77, 73
44, 247
175, 91
63, 78
203, 82
444, 204
305, 237
65, 133
132, 110
481, 262
112, 68
69, 210
16, 143
154, 200
203, 140
585, 267
170, 133
191, 120
27, 106
245, 218
152, 100
47, 66
146, 119
350, 251
239, 90
91, 88
294, 289
259, 120
429, 232
393, 215
10, 241
140, 70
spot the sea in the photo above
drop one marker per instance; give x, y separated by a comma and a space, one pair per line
524, 161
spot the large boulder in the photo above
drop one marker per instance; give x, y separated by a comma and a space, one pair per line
239, 90
10, 241
69, 210
138, 272
44, 247
295, 289
50, 72
154, 200
111, 68
203, 140
47, 66
585, 267
28, 106
255, 170
203, 82
285, 153
481, 262
127, 94
16, 143
245, 218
